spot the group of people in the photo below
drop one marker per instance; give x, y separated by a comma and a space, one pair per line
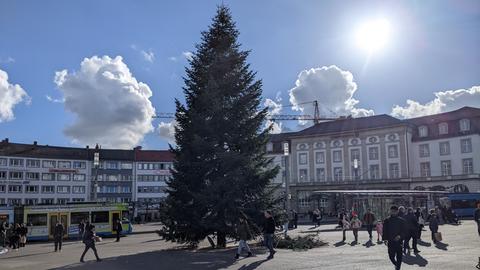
13, 235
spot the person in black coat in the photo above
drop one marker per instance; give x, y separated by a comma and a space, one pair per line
81, 229
118, 229
58, 236
476, 217
412, 231
269, 231
394, 229
3, 234
89, 239
433, 224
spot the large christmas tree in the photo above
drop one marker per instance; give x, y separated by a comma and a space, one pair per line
220, 171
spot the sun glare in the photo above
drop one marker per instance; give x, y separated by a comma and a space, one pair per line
373, 35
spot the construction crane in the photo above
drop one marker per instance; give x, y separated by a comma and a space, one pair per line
279, 117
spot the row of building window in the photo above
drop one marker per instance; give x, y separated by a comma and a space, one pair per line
44, 189
115, 189
30, 201
154, 166
444, 148
443, 128
114, 177
148, 189
373, 154
35, 163
152, 178
446, 167
4, 175
338, 175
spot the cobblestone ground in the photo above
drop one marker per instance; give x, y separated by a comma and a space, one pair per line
460, 250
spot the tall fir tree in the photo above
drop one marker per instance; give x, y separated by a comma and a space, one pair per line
220, 170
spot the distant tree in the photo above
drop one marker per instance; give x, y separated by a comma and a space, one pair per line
220, 171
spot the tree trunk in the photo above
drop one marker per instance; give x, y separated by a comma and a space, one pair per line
221, 240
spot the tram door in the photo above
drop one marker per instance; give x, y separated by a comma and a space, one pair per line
115, 217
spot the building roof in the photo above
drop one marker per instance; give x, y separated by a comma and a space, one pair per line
154, 155
464, 112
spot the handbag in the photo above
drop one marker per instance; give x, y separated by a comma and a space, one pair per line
438, 236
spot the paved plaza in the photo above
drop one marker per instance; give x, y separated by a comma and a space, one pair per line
460, 250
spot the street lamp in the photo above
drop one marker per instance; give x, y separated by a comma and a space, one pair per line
286, 153
96, 163
357, 179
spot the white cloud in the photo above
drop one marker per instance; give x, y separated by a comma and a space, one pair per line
332, 87
148, 56
10, 96
274, 108
111, 107
188, 55
172, 58
444, 101
167, 131
7, 60
55, 100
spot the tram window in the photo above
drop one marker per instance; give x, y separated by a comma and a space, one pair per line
100, 217
4, 218
76, 217
463, 204
37, 219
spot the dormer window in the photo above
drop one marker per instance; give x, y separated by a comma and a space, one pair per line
443, 128
423, 131
464, 125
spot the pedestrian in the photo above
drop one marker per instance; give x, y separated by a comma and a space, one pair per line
89, 239
345, 226
81, 229
421, 222
269, 231
244, 234
23, 231
118, 229
58, 236
476, 217
15, 237
379, 229
401, 211
368, 220
340, 218
433, 224
295, 219
394, 228
3, 233
412, 231
356, 224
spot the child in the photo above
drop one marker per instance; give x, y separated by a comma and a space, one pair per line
356, 224
379, 228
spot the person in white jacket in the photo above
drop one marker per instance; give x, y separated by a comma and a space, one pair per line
356, 224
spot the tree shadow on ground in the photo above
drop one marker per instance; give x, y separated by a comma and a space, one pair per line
442, 246
415, 260
169, 259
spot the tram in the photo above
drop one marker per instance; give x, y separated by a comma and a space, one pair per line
41, 219
6, 214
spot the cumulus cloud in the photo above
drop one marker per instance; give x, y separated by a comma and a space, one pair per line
274, 108
444, 101
167, 131
110, 106
332, 87
10, 96
148, 55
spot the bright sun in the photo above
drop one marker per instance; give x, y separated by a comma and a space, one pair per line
373, 35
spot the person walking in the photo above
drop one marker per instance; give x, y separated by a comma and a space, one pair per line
23, 231
368, 220
118, 229
340, 218
433, 222
58, 236
269, 231
421, 222
345, 226
81, 229
379, 229
356, 224
394, 229
244, 234
89, 239
295, 219
3, 234
476, 217
412, 231
15, 237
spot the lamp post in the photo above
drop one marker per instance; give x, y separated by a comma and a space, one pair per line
96, 163
357, 179
286, 153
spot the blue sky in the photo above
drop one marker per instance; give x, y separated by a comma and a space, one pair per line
432, 47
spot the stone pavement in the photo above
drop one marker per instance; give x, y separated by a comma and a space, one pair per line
460, 250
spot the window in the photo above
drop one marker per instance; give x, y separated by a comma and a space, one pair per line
374, 172
355, 154
111, 165
48, 201
78, 177
355, 173
16, 175
423, 131
467, 166
303, 175
3, 162
2, 188
126, 166
126, 189
394, 170
32, 176
79, 165
48, 189
64, 164
373, 153
63, 189
269, 147
14, 189
446, 167
3, 175
14, 201
33, 163
78, 189
126, 177
48, 164
62, 200
466, 145
464, 125
392, 151
77, 217
63, 177
443, 128
424, 150
321, 174
16, 162
302, 158
338, 174
48, 176
337, 156
303, 198
100, 217
425, 169
319, 157
444, 148
31, 189
31, 201
78, 199
112, 177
